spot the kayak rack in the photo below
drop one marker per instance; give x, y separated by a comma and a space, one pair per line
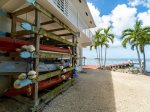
39, 32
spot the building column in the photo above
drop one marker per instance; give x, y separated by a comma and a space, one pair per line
80, 56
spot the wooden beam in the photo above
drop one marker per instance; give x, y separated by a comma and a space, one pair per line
21, 33
68, 37
22, 20
73, 51
13, 25
53, 93
2, 3
66, 34
58, 29
23, 11
47, 13
44, 33
36, 61
53, 55
52, 74
52, 36
48, 22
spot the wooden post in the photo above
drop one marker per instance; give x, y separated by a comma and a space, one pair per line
36, 63
84, 60
13, 25
73, 51
75, 47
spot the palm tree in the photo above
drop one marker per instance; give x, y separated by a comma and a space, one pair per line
109, 37
102, 42
137, 38
95, 47
142, 42
106, 47
96, 40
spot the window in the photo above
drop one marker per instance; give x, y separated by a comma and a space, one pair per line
62, 5
86, 13
91, 22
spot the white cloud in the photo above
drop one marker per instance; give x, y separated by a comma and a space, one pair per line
95, 13
101, 22
122, 17
134, 3
145, 18
116, 43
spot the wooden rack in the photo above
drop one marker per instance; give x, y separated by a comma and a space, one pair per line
39, 33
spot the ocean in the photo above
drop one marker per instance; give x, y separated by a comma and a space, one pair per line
117, 61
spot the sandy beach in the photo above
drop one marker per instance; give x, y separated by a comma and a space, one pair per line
98, 91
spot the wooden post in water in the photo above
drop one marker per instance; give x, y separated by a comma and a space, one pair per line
36, 63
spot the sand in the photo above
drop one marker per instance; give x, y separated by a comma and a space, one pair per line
100, 91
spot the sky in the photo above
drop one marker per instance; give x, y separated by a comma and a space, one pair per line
120, 15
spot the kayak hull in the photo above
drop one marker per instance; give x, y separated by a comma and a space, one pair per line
28, 90
20, 66
10, 45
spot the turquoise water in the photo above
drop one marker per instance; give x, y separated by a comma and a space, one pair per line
117, 61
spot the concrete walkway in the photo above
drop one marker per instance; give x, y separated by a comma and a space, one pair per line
101, 91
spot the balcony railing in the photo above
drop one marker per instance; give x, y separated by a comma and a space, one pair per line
70, 12
88, 33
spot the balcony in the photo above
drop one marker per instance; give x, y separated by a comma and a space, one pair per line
69, 10
88, 33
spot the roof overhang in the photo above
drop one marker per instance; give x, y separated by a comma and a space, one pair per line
83, 8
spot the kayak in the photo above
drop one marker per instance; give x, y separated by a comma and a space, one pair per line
28, 90
21, 66
10, 45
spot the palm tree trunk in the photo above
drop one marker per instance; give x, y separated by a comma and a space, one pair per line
105, 57
144, 64
101, 56
139, 58
97, 52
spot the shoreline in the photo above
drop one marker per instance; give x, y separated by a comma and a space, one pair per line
129, 70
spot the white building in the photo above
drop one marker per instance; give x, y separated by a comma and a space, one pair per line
74, 13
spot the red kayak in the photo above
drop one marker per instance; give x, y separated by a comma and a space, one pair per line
27, 90
10, 45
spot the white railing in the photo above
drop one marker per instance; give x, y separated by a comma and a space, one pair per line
88, 33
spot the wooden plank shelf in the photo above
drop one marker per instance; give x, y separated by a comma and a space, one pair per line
47, 13
43, 54
44, 33
52, 36
52, 74
53, 93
